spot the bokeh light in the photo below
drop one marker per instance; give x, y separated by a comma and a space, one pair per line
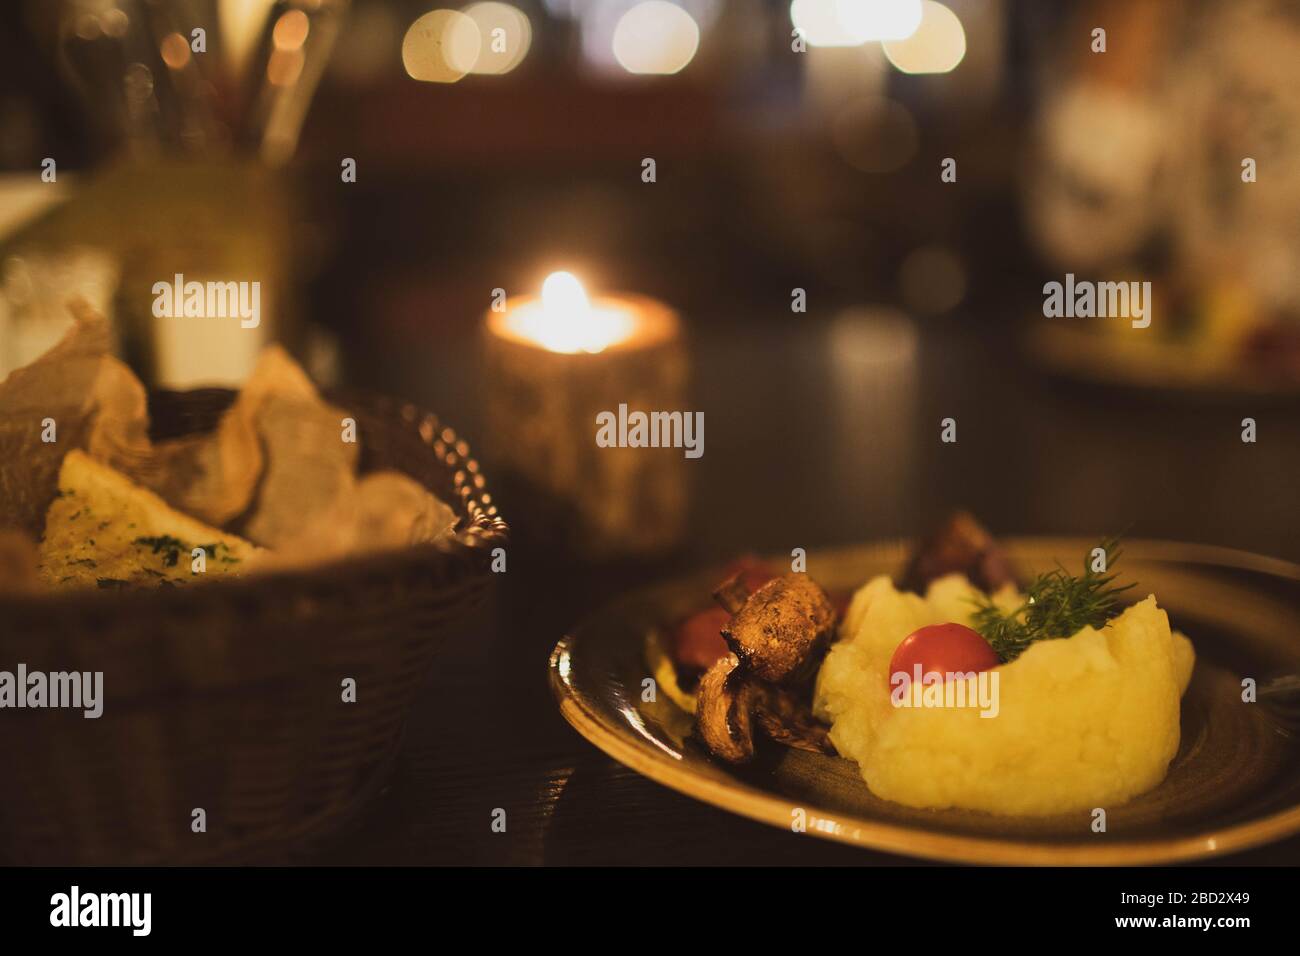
284, 67
175, 51
880, 19
115, 22
505, 33
932, 280
441, 47
290, 31
854, 22
937, 46
656, 37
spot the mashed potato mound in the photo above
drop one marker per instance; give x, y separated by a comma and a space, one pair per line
1082, 722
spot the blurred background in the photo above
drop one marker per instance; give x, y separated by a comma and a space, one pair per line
383, 165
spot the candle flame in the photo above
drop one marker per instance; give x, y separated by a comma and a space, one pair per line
563, 296
565, 321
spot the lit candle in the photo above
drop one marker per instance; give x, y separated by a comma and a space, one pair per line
557, 361
564, 319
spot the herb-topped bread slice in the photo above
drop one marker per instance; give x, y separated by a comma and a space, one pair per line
103, 530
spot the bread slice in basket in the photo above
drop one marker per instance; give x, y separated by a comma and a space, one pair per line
103, 530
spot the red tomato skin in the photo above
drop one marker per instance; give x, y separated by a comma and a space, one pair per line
947, 648
697, 641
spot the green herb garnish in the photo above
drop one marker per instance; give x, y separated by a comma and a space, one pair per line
168, 547
1057, 604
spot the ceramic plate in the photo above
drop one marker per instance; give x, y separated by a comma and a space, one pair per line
1234, 783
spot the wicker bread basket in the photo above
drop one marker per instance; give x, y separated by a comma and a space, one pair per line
228, 697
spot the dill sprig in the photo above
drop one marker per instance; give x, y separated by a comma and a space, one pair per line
1057, 604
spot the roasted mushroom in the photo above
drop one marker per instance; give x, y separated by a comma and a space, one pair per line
960, 545
733, 593
724, 711
778, 631
776, 635
787, 719
730, 704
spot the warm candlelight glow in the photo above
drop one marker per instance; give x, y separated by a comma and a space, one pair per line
565, 320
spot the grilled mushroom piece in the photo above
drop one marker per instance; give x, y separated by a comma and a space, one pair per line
730, 705
789, 720
779, 629
724, 711
961, 544
732, 593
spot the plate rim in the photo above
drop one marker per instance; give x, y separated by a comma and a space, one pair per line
915, 841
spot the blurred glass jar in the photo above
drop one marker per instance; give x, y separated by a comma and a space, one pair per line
187, 222
221, 221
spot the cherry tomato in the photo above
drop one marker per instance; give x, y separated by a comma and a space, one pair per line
945, 648
697, 641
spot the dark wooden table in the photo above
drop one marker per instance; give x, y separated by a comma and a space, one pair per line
786, 464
